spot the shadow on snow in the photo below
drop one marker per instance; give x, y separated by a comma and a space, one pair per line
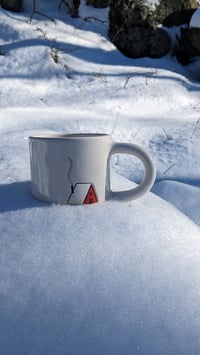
17, 196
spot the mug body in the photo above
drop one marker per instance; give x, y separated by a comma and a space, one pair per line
69, 169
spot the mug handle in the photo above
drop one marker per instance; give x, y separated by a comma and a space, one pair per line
149, 171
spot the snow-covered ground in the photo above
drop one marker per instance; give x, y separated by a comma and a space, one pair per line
110, 278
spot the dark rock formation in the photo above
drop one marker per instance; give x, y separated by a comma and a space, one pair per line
12, 5
178, 18
194, 36
134, 25
98, 3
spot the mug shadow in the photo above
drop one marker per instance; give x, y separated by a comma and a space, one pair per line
17, 196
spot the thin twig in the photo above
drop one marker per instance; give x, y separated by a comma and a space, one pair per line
41, 14
195, 128
170, 167
34, 11
78, 125
136, 133
196, 106
126, 82
167, 135
114, 124
66, 4
90, 18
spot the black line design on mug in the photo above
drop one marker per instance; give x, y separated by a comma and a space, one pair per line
82, 191
69, 174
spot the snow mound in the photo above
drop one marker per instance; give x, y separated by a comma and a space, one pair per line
195, 20
115, 278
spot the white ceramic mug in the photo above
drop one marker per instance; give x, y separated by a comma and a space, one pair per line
74, 168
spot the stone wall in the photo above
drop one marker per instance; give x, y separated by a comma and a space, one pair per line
134, 25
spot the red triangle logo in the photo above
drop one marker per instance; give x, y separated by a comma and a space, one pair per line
91, 196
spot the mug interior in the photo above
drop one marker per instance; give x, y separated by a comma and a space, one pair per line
66, 136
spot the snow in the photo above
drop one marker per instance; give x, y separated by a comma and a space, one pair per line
111, 278
151, 3
195, 20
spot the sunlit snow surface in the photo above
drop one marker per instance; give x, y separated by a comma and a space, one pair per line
110, 278
151, 3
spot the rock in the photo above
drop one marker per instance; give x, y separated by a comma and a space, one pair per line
98, 3
75, 8
194, 31
12, 5
194, 36
178, 18
188, 45
184, 50
167, 7
72, 6
159, 43
134, 25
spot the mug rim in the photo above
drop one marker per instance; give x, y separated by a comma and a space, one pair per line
61, 136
